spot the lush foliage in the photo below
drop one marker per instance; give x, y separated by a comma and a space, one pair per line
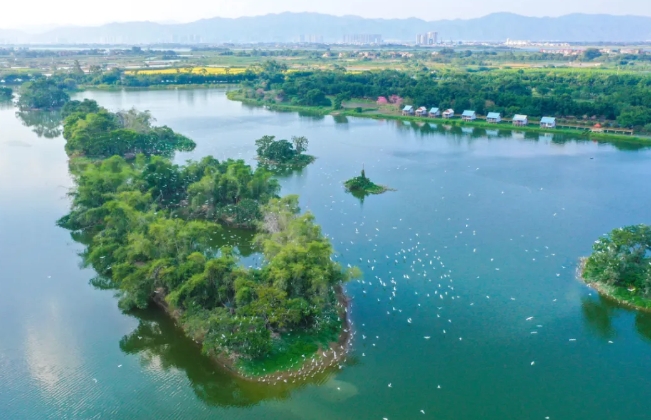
153, 225
272, 152
86, 106
361, 185
42, 93
625, 98
95, 132
622, 259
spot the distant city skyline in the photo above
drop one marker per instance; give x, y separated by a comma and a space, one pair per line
42, 14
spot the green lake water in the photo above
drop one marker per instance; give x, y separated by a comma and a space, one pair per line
476, 250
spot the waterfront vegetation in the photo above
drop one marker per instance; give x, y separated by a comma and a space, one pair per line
94, 132
153, 231
620, 265
623, 100
361, 186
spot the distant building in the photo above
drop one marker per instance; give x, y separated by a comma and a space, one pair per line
311, 39
520, 120
469, 115
429, 38
408, 110
434, 112
548, 122
448, 113
363, 39
493, 117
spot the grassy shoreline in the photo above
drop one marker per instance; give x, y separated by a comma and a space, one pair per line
620, 295
298, 368
323, 111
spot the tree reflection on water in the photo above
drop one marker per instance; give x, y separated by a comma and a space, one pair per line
599, 313
44, 123
160, 343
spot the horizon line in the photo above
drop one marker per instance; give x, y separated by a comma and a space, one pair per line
52, 26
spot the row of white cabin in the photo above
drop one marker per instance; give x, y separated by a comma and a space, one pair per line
491, 117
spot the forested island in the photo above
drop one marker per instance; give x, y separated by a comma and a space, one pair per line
282, 153
620, 266
152, 231
361, 186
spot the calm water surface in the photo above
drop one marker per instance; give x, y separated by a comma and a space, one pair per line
483, 233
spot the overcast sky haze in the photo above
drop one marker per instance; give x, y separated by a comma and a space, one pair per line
83, 12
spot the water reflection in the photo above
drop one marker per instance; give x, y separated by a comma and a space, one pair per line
643, 325
44, 123
598, 316
161, 345
6, 104
599, 313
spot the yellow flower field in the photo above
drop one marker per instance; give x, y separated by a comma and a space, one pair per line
194, 70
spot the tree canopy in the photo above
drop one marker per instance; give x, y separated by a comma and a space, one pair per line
153, 226
272, 152
42, 93
536, 93
93, 131
622, 259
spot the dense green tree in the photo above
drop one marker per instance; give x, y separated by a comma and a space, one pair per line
634, 116
150, 250
283, 152
85, 107
622, 258
42, 93
96, 132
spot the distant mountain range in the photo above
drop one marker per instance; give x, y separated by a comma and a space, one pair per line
288, 27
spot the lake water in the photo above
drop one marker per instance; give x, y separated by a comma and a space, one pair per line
483, 232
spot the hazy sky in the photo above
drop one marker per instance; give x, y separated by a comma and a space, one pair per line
15, 14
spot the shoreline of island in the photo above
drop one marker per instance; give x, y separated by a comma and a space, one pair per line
620, 295
328, 359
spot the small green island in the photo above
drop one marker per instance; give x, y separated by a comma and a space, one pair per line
361, 186
620, 266
154, 232
283, 154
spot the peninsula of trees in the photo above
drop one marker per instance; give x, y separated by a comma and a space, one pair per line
620, 265
153, 230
